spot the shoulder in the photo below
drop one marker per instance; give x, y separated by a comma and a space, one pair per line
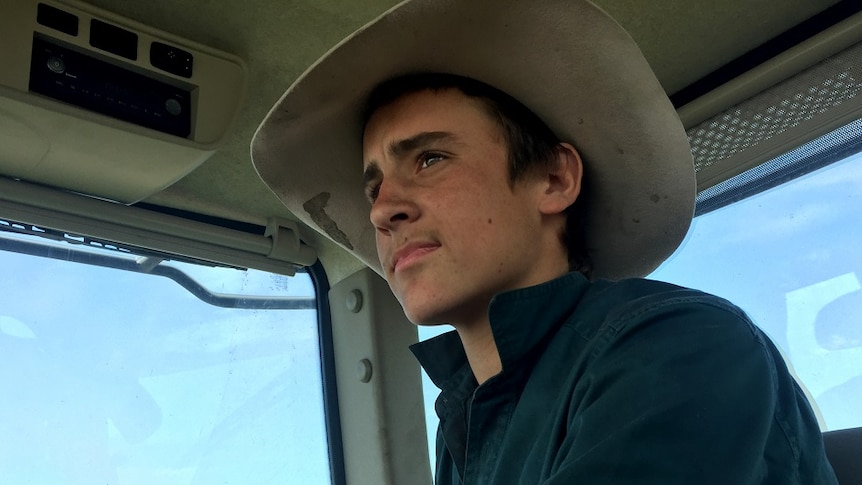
641, 292
635, 300
642, 366
643, 316
638, 332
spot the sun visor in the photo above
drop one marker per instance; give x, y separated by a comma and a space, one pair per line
98, 104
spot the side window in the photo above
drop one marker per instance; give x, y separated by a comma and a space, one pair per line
114, 372
791, 258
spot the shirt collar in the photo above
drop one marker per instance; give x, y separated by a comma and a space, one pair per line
521, 320
441, 357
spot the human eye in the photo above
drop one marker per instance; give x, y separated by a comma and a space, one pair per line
426, 159
371, 192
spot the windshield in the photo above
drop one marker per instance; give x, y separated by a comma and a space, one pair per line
118, 377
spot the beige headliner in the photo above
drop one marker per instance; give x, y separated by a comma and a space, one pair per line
683, 40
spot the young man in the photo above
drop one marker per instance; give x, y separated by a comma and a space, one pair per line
522, 165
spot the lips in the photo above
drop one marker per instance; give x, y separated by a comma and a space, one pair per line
411, 253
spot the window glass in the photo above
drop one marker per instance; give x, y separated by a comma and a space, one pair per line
790, 257
429, 394
116, 377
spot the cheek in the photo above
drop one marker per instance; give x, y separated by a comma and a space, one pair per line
383, 244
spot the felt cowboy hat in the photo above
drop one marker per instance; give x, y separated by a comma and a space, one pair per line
566, 60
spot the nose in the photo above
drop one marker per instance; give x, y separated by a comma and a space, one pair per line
392, 206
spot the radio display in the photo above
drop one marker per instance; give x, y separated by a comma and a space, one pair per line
82, 80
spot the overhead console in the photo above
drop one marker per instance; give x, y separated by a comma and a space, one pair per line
99, 104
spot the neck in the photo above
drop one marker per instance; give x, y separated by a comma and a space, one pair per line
481, 350
475, 331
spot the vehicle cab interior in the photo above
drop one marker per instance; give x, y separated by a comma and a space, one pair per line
166, 319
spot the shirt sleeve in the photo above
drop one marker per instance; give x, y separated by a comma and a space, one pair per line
684, 391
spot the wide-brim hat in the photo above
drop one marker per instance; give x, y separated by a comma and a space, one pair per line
567, 61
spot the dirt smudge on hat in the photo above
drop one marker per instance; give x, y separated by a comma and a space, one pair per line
316, 208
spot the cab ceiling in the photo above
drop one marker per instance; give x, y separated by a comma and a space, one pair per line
683, 40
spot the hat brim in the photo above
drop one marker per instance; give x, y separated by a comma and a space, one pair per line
567, 61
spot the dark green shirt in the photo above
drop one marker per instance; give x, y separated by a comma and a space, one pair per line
621, 383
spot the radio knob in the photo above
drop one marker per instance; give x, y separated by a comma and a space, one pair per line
56, 64
173, 107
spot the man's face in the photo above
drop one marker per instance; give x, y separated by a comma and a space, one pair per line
451, 231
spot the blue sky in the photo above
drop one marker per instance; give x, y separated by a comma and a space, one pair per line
124, 378
791, 258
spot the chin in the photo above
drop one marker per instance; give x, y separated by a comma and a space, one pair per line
427, 302
423, 313
424, 319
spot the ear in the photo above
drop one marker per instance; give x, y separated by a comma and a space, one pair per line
563, 183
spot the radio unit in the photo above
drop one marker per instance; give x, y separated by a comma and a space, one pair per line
94, 84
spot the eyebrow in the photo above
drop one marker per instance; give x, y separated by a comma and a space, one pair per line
399, 148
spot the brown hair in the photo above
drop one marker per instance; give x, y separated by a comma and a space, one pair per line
531, 143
